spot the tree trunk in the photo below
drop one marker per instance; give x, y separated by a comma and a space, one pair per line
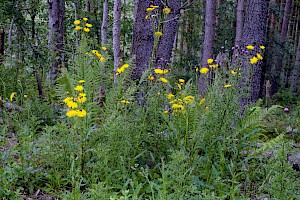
239, 22
295, 83
88, 5
104, 23
208, 43
9, 38
56, 34
283, 34
2, 36
282, 3
117, 34
253, 34
166, 42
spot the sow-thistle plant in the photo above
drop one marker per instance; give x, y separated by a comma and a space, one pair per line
86, 26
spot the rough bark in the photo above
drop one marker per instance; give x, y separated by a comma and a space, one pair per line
166, 42
117, 33
239, 22
104, 23
254, 33
88, 5
56, 33
295, 83
208, 43
283, 34
9, 38
282, 3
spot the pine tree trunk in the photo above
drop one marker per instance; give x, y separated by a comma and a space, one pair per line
208, 43
282, 3
56, 34
254, 33
117, 33
283, 34
295, 82
239, 22
104, 23
166, 42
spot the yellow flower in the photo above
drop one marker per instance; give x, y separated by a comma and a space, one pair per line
86, 30
233, 72
214, 66
101, 58
259, 56
67, 99
85, 19
158, 33
164, 80
197, 69
166, 10
170, 96
151, 77
253, 60
81, 99
77, 28
81, 81
147, 17
166, 112
161, 71
25, 96
77, 22
202, 101
125, 102
250, 47
227, 86
206, 108
188, 99
210, 61
262, 47
79, 88
81, 113
94, 51
72, 104
71, 113
125, 66
122, 69
177, 106
152, 6
12, 95
88, 25
181, 80
179, 86
204, 70
82, 94
150, 9
104, 48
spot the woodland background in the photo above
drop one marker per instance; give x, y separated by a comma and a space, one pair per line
149, 99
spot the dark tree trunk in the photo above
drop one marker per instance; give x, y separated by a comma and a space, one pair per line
283, 34
253, 34
295, 82
208, 43
239, 22
56, 33
2, 36
282, 3
142, 39
166, 42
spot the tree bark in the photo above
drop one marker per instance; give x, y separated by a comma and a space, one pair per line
253, 34
88, 5
56, 34
208, 43
295, 83
166, 42
9, 38
283, 34
117, 34
239, 22
282, 3
104, 23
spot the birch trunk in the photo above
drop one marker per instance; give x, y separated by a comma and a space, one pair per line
104, 23
117, 34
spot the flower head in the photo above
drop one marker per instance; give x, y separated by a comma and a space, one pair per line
104, 48
125, 102
253, 60
81, 99
164, 80
12, 95
67, 99
158, 33
202, 101
213, 66
210, 61
151, 77
233, 72
77, 28
72, 104
250, 47
86, 30
204, 70
170, 96
77, 22
85, 18
161, 71
227, 86
259, 56
181, 80
262, 47
166, 10
81, 113
188, 99
88, 25
81, 81
71, 113
79, 88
